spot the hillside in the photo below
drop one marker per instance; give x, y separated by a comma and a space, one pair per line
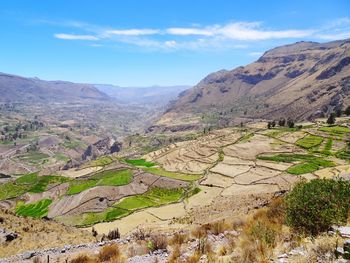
300, 81
19, 89
211, 189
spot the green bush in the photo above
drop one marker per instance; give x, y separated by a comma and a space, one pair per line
314, 206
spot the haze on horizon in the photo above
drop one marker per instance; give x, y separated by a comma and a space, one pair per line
155, 42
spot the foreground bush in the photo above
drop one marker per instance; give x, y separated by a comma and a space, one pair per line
314, 206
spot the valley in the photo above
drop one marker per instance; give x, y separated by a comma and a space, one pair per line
212, 173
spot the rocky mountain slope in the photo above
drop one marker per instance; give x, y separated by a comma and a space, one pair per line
19, 89
300, 81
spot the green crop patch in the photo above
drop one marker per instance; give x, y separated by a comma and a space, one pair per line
11, 190
154, 197
44, 181
28, 179
310, 141
105, 160
180, 176
38, 209
337, 131
304, 163
109, 177
140, 162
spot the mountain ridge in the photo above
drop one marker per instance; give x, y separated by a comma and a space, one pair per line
300, 81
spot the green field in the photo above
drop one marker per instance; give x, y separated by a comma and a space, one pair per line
174, 175
109, 177
34, 157
105, 160
337, 131
38, 209
310, 141
305, 163
154, 197
39, 184
11, 190
140, 162
328, 147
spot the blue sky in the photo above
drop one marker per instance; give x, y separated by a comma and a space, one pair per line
141, 43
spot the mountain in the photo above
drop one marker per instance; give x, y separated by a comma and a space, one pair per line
19, 89
159, 95
300, 81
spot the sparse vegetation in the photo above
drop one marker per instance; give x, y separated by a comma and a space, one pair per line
174, 175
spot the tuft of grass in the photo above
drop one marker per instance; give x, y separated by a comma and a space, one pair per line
310, 141
38, 209
174, 175
140, 162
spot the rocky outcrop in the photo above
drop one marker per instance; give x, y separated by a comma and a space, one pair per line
102, 147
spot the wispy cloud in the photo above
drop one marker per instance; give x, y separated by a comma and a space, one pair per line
75, 37
132, 32
196, 37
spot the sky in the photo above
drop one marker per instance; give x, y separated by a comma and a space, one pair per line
153, 42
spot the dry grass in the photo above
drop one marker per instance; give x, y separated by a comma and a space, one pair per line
111, 253
178, 238
193, 258
158, 241
37, 234
320, 250
83, 259
175, 255
217, 227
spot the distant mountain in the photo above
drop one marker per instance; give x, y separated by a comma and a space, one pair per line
159, 95
301, 81
19, 89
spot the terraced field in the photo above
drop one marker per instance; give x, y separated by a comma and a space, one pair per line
206, 176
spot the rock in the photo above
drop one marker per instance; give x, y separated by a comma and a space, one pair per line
28, 255
343, 231
282, 256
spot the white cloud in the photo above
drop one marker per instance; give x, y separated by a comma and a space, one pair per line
182, 31
76, 37
131, 32
255, 54
213, 37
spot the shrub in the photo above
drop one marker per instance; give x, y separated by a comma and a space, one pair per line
314, 206
157, 242
331, 119
113, 234
109, 252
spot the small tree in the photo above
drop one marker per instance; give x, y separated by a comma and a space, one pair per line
347, 111
273, 124
290, 123
338, 112
269, 125
282, 122
331, 119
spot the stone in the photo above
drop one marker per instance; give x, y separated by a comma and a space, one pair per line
28, 255
344, 231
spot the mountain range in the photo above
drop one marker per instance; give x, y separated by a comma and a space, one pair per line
301, 81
